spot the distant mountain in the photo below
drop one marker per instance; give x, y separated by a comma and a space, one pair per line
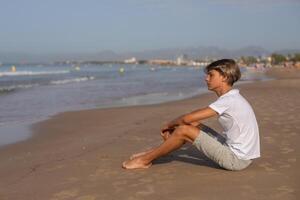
251, 51
103, 55
200, 52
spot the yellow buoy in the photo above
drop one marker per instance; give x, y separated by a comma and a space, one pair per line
13, 69
121, 70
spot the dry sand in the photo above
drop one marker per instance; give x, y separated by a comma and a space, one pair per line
78, 155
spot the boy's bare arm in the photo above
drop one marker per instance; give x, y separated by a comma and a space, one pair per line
198, 115
194, 118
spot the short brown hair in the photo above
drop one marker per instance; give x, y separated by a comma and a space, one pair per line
227, 68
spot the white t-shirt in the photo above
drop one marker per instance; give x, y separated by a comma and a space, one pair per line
239, 123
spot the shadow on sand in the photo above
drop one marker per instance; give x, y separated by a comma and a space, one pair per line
190, 154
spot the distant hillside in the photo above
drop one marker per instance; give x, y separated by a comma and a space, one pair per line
200, 53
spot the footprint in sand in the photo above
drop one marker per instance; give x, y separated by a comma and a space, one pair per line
293, 134
102, 174
286, 189
65, 194
269, 140
290, 118
83, 162
142, 182
147, 191
247, 189
286, 130
69, 180
207, 174
285, 166
284, 143
98, 174
146, 180
119, 185
141, 194
138, 138
288, 135
292, 160
267, 167
286, 150
56, 167
86, 197
277, 123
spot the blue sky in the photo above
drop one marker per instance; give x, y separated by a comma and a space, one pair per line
74, 26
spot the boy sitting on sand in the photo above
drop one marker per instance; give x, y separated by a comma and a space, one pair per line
241, 143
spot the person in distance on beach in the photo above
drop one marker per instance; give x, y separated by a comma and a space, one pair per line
239, 144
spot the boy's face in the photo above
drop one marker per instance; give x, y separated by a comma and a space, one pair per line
214, 80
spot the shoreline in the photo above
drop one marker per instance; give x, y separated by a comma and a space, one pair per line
33, 129
27, 127
15, 132
79, 153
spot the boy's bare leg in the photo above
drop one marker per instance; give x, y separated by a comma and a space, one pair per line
164, 135
133, 156
181, 135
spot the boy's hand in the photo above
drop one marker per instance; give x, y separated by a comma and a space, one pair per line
164, 128
166, 131
165, 135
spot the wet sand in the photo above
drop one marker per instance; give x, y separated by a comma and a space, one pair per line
78, 155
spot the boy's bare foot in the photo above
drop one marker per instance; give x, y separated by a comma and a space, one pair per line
135, 164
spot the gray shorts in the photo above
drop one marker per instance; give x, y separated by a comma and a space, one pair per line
214, 147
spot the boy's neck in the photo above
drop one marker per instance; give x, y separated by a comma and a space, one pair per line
223, 90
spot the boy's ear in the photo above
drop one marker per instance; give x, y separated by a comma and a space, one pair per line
224, 79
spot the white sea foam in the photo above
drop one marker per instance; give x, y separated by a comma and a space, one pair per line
154, 98
32, 73
74, 80
13, 87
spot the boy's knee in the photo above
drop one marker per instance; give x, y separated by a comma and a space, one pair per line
186, 131
182, 129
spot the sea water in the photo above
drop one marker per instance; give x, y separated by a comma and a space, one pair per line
32, 93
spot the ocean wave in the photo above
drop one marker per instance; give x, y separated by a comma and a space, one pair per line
31, 73
11, 88
73, 80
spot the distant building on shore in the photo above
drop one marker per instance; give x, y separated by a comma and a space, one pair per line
182, 60
161, 62
132, 60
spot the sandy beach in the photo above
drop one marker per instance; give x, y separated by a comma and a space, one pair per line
78, 155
